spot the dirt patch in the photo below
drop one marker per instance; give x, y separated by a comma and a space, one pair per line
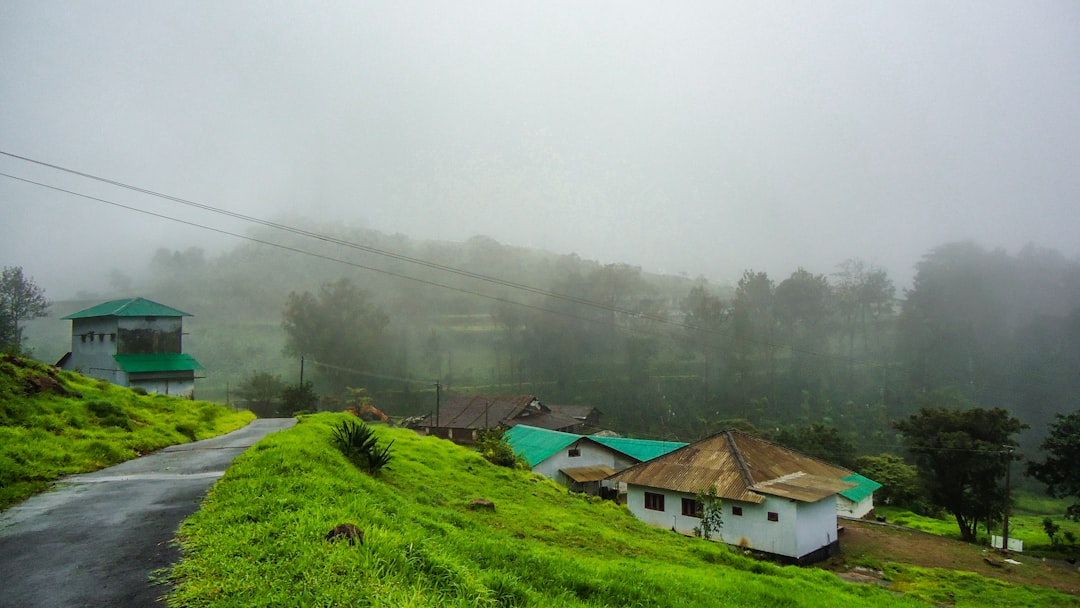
865, 543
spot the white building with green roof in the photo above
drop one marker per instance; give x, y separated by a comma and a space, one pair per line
132, 342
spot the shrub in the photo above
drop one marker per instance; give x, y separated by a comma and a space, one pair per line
492, 445
357, 441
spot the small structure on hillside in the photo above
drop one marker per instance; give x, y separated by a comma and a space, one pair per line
775, 500
857, 502
582, 462
133, 342
461, 417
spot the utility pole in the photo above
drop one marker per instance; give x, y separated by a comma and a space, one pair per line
301, 371
1005, 524
437, 389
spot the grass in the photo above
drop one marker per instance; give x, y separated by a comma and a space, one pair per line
259, 541
1025, 523
60, 423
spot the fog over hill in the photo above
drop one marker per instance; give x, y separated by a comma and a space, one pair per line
700, 139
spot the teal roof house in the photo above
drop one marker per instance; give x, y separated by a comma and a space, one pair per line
133, 342
582, 462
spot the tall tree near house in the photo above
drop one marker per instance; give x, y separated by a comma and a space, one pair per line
20, 300
340, 328
1060, 471
961, 455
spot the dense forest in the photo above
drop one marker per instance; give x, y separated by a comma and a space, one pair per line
660, 356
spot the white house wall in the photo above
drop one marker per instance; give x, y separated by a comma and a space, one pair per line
854, 510
816, 527
801, 528
92, 355
175, 387
592, 454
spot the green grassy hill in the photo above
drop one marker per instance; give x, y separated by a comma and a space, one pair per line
58, 423
259, 541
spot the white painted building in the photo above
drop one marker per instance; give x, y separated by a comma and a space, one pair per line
774, 500
132, 342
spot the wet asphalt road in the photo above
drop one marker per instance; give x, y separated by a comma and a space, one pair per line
94, 539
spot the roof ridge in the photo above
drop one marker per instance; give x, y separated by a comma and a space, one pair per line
744, 469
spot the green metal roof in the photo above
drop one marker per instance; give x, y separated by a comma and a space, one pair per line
130, 307
537, 445
865, 487
642, 449
163, 362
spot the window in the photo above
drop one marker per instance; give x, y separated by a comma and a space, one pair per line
654, 502
774, 516
690, 508
574, 452
736, 510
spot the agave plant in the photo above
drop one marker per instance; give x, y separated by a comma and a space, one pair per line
357, 441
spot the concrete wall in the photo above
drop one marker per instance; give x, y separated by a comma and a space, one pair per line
854, 510
592, 454
93, 344
799, 529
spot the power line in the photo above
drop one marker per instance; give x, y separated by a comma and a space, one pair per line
433, 265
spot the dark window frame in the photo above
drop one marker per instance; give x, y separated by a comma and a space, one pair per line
690, 508
736, 511
773, 516
654, 501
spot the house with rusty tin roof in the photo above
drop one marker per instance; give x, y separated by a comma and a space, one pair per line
461, 417
774, 500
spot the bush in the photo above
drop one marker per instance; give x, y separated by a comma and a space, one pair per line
492, 445
357, 441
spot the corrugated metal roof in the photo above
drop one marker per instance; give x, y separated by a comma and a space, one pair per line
163, 362
479, 411
864, 487
537, 445
732, 461
129, 307
585, 474
803, 487
640, 449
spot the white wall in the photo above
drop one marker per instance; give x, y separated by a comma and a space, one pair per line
93, 357
175, 387
816, 526
854, 510
800, 527
592, 454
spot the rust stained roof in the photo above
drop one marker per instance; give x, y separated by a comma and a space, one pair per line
735, 463
593, 473
803, 487
490, 411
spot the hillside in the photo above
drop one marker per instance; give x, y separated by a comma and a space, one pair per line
259, 541
56, 423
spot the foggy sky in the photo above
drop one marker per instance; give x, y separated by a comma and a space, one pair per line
698, 138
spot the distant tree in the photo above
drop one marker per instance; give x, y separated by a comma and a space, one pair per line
261, 393
704, 315
753, 330
20, 300
297, 398
340, 328
1061, 469
961, 455
899, 481
820, 441
952, 328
